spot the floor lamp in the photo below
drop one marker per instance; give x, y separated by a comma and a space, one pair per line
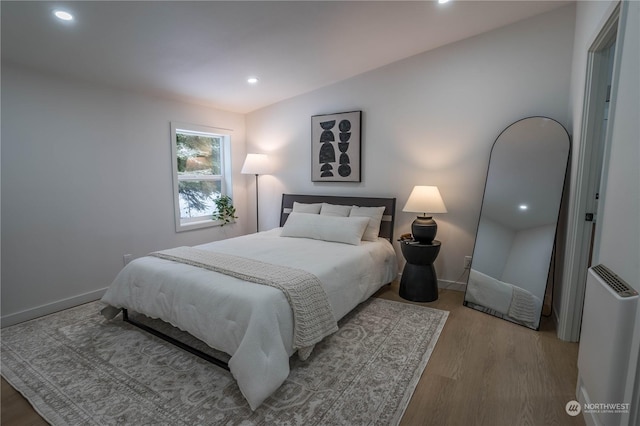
256, 164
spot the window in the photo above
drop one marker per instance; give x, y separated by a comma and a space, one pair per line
201, 173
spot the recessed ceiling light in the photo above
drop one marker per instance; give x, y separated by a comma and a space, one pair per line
63, 15
523, 207
252, 80
443, 1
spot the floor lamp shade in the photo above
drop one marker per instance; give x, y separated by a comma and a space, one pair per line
256, 164
426, 200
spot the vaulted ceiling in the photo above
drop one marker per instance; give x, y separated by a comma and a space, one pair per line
203, 52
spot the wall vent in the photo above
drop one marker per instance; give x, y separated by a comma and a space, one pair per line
616, 283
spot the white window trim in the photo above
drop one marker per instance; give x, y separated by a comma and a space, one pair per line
227, 187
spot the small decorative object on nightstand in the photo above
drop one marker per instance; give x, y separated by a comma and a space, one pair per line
419, 282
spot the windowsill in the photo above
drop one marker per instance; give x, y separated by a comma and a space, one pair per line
190, 226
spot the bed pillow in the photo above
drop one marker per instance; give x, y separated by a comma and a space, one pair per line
375, 217
335, 210
306, 208
347, 230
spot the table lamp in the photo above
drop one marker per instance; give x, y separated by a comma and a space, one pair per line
425, 200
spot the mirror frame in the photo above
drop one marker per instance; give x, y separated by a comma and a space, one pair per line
487, 310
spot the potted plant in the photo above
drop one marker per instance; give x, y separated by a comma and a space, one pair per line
224, 210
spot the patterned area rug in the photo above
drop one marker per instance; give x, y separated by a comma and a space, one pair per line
77, 368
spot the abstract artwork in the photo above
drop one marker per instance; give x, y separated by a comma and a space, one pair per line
335, 147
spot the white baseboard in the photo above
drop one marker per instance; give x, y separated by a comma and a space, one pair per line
49, 308
59, 305
590, 419
452, 285
446, 284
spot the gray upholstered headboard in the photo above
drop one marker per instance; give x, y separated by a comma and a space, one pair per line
388, 218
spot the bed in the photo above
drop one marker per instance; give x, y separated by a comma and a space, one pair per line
259, 325
510, 302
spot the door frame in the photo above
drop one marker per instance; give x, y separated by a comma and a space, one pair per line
590, 164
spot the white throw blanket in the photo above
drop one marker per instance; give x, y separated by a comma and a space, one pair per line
489, 292
524, 306
312, 316
504, 298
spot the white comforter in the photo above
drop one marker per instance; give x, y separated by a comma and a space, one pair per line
504, 298
251, 322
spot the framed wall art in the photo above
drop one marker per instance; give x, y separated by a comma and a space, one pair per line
335, 147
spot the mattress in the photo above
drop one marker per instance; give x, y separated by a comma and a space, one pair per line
251, 322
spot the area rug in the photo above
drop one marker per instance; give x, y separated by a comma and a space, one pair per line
77, 368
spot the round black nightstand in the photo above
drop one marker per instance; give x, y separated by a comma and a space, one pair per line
419, 282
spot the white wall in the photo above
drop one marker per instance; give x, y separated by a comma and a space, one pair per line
86, 178
520, 258
590, 16
620, 212
528, 263
619, 226
428, 120
619, 247
495, 240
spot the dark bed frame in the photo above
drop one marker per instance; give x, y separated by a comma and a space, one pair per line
386, 231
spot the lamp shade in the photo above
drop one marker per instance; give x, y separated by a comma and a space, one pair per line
425, 199
256, 164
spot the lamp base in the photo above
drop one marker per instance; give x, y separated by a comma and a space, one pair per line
424, 229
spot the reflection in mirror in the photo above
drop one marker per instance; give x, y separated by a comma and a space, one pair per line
516, 232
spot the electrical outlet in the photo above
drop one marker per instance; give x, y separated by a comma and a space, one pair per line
467, 262
126, 259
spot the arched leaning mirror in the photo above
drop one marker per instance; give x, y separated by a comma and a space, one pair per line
517, 227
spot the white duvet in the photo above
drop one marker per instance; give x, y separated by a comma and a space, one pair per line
504, 298
251, 322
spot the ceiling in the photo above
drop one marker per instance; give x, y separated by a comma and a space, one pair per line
203, 52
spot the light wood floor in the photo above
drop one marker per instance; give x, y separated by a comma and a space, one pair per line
487, 371
483, 371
